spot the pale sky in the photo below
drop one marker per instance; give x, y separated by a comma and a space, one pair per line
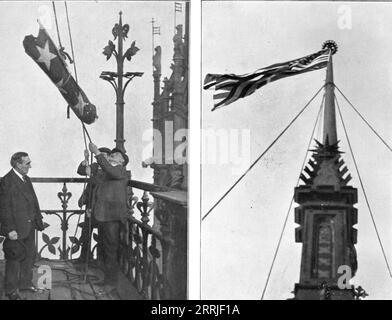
241, 234
239, 237
33, 111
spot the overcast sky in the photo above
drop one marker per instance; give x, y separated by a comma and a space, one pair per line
33, 112
241, 234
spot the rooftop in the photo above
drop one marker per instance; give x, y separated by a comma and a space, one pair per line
68, 283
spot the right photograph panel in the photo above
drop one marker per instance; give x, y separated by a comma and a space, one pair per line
296, 150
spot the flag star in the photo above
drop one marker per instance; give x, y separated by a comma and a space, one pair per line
45, 55
80, 105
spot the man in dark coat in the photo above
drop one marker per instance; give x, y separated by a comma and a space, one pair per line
110, 208
95, 172
20, 216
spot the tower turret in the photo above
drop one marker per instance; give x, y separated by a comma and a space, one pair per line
326, 213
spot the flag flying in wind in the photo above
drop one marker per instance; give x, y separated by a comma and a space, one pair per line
44, 52
231, 87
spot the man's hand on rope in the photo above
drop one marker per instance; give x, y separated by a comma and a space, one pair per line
13, 235
93, 148
86, 155
85, 162
88, 171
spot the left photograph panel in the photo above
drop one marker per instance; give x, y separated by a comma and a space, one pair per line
93, 168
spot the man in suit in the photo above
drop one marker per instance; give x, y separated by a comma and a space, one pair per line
20, 216
110, 208
95, 172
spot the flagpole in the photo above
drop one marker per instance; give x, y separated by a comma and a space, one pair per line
152, 31
71, 42
329, 130
177, 8
175, 14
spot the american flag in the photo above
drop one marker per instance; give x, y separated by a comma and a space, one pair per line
231, 87
177, 7
44, 52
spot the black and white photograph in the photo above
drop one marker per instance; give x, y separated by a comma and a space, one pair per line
93, 166
204, 152
296, 150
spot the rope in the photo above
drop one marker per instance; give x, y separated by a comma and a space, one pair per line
89, 238
264, 152
84, 186
319, 126
85, 277
368, 124
292, 200
71, 42
84, 129
74, 63
363, 189
57, 25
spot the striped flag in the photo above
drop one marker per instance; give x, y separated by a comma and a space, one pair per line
156, 30
177, 7
44, 52
231, 87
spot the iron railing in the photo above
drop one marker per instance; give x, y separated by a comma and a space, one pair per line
143, 251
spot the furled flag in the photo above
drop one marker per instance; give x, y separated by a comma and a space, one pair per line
44, 52
177, 7
231, 87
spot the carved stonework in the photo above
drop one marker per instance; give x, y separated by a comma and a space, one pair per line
178, 42
327, 174
326, 168
352, 253
163, 175
169, 175
170, 214
326, 216
324, 250
176, 177
171, 105
164, 217
156, 60
185, 179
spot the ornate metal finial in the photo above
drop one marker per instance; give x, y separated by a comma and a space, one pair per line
117, 79
330, 44
359, 293
120, 18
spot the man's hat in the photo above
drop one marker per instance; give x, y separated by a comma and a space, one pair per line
104, 149
14, 250
125, 157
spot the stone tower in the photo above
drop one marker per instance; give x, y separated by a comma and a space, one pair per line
170, 121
